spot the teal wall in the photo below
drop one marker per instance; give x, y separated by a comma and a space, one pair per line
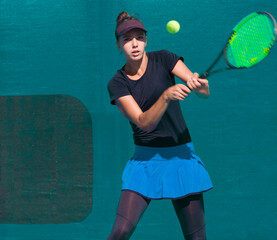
67, 47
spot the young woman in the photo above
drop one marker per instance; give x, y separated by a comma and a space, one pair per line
164, 165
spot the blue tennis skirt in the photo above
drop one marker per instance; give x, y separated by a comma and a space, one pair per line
166, 173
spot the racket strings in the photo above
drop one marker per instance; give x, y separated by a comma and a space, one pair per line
251, 41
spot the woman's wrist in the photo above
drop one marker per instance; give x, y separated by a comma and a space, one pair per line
165, 96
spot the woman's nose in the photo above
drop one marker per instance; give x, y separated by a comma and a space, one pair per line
134, 42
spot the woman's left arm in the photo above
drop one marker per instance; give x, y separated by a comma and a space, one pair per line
198, 85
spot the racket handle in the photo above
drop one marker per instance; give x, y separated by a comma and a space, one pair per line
204, 75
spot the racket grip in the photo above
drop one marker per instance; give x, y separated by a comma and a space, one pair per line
204, 75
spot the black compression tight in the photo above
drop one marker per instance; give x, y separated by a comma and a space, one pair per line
189, 210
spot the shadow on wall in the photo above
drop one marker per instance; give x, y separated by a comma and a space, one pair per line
45, 160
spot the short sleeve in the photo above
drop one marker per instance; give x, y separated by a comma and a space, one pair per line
117, 88
170, 59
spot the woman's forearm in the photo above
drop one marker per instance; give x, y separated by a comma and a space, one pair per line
149, 119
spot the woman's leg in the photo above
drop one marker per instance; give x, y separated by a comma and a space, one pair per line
190, 212
130, 209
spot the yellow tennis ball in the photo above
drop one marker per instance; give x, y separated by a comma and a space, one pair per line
173, 27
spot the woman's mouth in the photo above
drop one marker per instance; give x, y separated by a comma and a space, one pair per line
135, 53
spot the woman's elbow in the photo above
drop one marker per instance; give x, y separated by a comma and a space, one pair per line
145, 125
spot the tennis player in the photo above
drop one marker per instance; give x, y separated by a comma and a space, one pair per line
164, 164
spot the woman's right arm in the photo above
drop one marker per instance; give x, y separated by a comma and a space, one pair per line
149, 119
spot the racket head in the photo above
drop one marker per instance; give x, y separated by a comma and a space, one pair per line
251, 40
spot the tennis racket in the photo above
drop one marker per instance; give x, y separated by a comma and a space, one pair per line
249, 43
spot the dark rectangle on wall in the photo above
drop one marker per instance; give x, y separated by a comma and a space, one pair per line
45, 160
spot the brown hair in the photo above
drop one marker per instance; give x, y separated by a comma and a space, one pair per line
122, 17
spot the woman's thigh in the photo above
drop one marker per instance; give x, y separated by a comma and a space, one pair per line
190, 212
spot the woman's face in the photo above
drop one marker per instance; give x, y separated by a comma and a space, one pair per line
133, 44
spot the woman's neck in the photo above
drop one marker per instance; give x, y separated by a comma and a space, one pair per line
135, 69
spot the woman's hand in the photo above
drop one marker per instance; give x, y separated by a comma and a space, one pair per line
176, 92
198, 85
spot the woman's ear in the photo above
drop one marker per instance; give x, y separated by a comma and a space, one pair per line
118, 46
145, 41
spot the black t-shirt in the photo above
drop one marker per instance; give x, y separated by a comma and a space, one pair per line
172, 129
